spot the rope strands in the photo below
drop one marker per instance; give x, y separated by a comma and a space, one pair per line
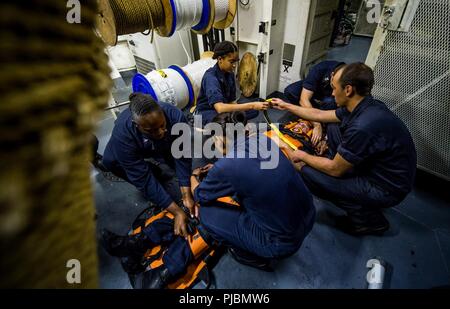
207, 17
189, 13
177, 86
225, 12
119, 17
221, 10
55, 81
197, 70
132, 17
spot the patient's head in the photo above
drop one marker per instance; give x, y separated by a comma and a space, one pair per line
238, 120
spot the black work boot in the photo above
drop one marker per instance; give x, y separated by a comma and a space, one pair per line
132, 265
123, 246
251, 260
157, 278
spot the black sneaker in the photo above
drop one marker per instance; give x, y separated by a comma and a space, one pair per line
251, 260
378, 227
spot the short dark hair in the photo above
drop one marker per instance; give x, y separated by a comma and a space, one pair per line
142, 104
232, 117
359, 76
224, 48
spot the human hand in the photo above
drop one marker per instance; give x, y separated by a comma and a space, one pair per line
278, 104
261, 106
180, 224
317, 134
297, 156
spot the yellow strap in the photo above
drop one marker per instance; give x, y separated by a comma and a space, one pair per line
162, 73
282, 137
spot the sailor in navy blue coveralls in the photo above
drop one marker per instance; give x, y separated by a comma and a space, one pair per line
317, 81
380, 148
315, 91
145, 163
276, 209
372, 157
217, 86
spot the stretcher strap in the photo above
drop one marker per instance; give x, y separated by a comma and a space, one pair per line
228, 200
277, 131
152, 219
197, 244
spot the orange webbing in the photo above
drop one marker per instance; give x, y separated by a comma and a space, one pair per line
228, 200
152, 252
197, 244
149, 221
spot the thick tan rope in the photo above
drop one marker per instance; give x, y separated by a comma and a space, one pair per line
54, 83
137, 15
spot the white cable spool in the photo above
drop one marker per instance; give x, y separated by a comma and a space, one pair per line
169, 87
222, 7
189, 13
197, 70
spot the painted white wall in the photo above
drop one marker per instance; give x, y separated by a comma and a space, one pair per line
121, 56
114, 72
295, 34
170, 50
163, 52
140, 46
277, 30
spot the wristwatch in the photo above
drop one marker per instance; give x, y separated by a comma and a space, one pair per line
196, 176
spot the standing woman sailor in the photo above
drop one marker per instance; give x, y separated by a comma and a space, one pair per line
218, 90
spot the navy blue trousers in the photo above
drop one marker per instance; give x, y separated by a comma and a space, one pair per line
357, 194
234, 227
229, 226
293, 93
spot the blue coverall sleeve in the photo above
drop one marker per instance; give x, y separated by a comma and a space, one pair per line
140, 175
314, 79
214, 186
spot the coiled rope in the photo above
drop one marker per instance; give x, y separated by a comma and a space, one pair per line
133, 16
222, 8
189, 13
51, 98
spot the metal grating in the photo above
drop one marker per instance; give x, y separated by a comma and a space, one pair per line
144, 66
412, 77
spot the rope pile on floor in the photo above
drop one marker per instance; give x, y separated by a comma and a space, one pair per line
54, 82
